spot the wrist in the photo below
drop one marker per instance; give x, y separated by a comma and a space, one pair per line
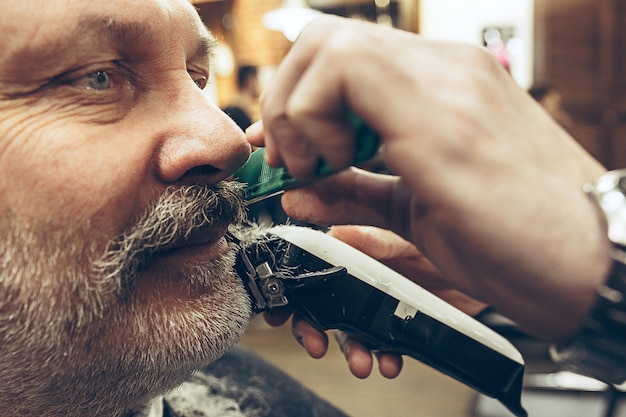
599, 348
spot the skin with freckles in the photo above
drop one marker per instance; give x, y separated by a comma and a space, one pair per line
115, 276
488, 188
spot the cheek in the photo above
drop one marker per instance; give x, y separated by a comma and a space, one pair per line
56, 172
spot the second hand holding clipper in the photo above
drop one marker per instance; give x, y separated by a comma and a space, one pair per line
334, 286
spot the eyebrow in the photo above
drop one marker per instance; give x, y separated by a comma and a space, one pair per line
123, 34
206, 46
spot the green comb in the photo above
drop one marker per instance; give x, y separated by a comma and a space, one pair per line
262, 181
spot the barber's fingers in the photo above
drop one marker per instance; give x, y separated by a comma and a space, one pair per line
403, 257
336, 141
277, 317
381, 244
280, 134
313, 341
394, 251
254, 134
321, 116
389, 364
305, 107
354, 197
360, 359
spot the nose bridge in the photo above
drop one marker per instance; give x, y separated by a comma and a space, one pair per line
198, 142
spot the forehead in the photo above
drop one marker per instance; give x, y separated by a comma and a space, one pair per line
42, 27
38, 12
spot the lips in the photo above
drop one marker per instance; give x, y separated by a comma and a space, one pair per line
204, 237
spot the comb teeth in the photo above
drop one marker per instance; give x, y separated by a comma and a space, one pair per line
266, 173
262, 180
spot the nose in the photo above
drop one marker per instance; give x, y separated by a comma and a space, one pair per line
199, 143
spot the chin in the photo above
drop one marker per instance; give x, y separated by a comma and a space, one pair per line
184, 340
167, 341
134, 353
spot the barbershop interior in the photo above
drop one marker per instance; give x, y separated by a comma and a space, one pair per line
561, 51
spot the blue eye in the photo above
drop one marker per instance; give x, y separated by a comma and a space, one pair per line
99, 80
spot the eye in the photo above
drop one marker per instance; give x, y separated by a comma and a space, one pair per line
200, 80
99, 80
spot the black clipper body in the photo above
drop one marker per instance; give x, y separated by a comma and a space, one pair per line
335, 286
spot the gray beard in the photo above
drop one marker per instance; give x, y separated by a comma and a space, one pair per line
76, 339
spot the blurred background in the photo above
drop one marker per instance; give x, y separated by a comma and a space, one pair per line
567, 53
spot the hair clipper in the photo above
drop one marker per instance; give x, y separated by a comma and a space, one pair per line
335, 286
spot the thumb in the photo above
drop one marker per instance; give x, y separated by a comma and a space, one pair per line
378, 243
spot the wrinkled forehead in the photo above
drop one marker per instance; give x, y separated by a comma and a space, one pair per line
34, 14
40, 27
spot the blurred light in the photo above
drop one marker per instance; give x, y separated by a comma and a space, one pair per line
384, 20
492, 36
224, 62
228, 21
290, 18
515, 46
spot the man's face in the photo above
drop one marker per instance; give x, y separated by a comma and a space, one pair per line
115, 277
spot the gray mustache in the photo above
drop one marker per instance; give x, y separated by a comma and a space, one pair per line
174, 218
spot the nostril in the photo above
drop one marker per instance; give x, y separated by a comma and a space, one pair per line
200, 173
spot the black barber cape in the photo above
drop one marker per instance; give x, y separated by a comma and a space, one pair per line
240, 384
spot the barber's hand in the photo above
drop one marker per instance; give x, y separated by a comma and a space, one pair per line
398, 254
359, 358
403, 257
489, 186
